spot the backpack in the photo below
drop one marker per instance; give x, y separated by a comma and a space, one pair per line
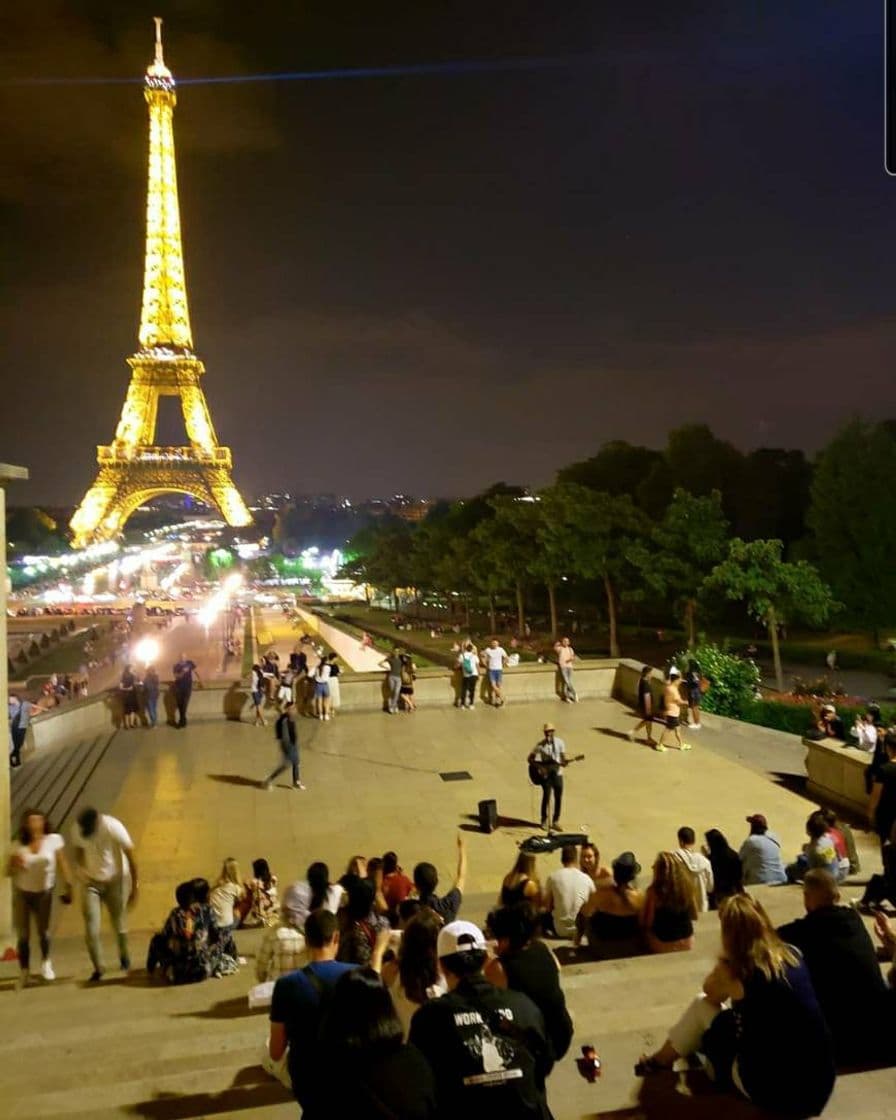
468, 664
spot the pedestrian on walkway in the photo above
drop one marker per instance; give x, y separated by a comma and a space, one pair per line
151, 694
127, 687
322, 689
20, 712
694, 684
257, 690
468, 663
335, 692
33, 865
645, 707
392, 665
184, 673
672, 708
566, 655
288, 740
104, 857
495, 657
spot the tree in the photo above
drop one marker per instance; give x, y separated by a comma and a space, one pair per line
853, 518
773, 590
694, 460
381, 554
618, 468
682, 550
772, 496
596, 531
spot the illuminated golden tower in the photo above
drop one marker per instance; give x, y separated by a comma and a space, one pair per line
133, 469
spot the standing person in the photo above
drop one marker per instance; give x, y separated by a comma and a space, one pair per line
322, 689
495, 656
468, 663
392, 665
184, 673
772, 1045
645, 707
566, 655
127, 687
699, 867
288, 741
33, 865
335, 690
760, 854
550, 752
672, 709
882, 802
151, 690
21, 709
488, 1047
408, 676
256, 687
107, 868
566, 892
693, 683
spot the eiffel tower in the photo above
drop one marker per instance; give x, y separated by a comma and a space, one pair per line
133, 469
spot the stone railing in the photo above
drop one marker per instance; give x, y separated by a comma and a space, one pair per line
836, 774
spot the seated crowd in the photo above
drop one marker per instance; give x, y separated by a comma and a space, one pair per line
377, 970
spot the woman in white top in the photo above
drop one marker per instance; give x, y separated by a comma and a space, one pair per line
315, 893
414, 978
225, 894
33, 866
321, 680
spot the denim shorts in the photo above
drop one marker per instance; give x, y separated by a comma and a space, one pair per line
496, 675
322, 689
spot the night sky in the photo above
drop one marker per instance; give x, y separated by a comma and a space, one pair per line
430, 282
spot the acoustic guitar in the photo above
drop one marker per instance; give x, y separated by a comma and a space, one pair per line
539, 772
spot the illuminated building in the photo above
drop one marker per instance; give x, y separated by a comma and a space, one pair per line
132, 469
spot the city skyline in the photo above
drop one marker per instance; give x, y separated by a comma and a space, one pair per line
468, 276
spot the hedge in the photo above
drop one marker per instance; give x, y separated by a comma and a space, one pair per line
796, 718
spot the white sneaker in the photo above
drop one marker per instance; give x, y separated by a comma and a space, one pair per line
326, 717
696, 727
298, 785
46, 970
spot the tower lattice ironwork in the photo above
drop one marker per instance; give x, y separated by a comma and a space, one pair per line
133, 469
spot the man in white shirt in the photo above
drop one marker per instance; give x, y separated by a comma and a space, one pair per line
697, 864
566, 892
495, 657
566, 655
104, 858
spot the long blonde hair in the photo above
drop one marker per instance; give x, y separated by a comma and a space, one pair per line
750, 941
523, 868
673, 887
230, 871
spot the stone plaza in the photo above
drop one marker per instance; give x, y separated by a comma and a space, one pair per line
191, 798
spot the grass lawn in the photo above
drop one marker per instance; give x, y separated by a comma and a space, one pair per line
68, 655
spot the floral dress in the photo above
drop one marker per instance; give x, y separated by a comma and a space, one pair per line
264, 904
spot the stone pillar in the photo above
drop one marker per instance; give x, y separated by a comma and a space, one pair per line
7, 474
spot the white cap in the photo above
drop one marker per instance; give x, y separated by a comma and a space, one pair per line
673, 672
459, 937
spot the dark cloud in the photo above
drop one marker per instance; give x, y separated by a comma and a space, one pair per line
429, 282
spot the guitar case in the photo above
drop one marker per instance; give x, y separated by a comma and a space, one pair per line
538, 845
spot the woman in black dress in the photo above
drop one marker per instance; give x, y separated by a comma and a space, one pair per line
727, 870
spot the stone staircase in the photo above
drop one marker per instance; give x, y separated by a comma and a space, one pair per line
135, 1048
53, 778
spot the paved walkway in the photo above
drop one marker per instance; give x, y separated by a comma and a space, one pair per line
283, 637
191, 798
